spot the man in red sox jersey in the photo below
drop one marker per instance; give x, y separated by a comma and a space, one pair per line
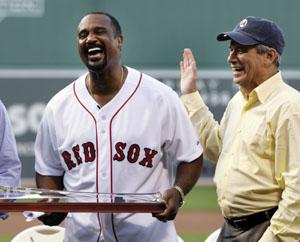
116, 130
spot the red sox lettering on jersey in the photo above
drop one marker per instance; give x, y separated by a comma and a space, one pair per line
133, 154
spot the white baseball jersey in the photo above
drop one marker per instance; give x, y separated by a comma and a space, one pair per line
130, 145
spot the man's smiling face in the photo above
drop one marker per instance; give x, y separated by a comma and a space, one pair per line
98, 45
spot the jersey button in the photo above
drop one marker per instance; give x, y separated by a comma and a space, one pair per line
103, 117
103, 131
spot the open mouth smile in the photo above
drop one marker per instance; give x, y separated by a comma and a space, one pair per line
95, 53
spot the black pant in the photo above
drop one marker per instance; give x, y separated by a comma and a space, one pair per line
232, 234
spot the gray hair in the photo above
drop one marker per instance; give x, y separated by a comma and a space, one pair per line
261, 49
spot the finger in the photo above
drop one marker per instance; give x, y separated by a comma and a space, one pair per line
167, 214
161, 216
190, 57
183, 59
181, 66
186, 58
164, 220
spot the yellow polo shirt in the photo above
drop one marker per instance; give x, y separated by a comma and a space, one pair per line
257, 150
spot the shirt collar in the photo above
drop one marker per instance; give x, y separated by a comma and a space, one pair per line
265, 89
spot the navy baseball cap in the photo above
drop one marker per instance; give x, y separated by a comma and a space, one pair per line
256, 30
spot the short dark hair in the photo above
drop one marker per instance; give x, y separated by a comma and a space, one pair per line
114, 21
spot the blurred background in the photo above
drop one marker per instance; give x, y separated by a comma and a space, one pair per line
38, 54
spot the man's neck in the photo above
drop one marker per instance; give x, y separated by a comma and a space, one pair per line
103, 86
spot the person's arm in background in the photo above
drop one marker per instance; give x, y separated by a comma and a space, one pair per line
208, 129
10, 165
